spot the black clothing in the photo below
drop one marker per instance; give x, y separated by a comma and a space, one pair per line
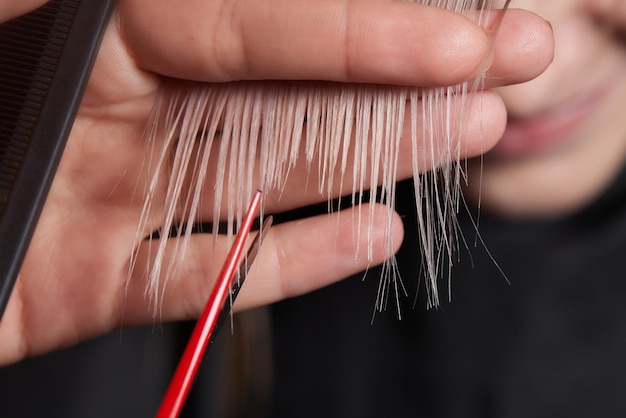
551, 343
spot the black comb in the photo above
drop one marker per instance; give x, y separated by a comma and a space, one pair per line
46, 58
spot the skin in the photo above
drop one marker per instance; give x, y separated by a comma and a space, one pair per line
11, 9
72, 285
567, 174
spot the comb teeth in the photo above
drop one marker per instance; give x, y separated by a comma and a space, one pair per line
45, 62
31, 49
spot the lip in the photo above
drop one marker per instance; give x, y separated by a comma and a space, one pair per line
547, 130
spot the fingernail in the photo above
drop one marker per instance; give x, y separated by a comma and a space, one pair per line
488, 60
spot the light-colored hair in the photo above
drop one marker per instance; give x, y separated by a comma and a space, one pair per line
258, 131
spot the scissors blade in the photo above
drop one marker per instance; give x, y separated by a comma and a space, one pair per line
242, 273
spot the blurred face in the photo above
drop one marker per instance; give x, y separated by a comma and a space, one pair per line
566, 137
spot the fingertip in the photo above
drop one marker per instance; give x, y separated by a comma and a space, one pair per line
398, 231
387, 234
419, 45
485, 123
523, 49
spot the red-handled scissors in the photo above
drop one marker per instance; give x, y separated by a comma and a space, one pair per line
215, 312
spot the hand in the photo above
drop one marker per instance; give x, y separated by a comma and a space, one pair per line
73, 282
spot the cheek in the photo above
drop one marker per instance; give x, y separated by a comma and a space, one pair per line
549, 10
564, 180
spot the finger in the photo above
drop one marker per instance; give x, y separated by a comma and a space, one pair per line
524, 48
11, 8
295, 258
373, 41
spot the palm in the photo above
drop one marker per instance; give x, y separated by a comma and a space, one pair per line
71, 284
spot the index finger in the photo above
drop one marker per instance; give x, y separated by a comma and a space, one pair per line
371, 41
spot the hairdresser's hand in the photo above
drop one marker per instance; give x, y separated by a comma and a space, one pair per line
73, 283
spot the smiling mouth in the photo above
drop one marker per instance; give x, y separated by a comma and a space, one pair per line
547, 130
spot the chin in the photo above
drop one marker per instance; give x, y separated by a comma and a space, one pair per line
546, 185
